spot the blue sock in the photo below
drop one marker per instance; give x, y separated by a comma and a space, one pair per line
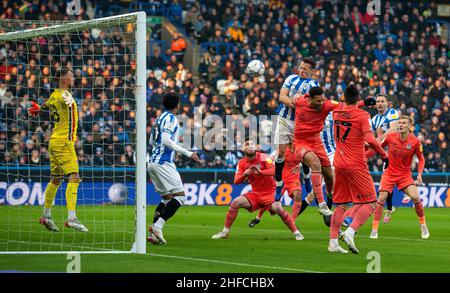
278, 193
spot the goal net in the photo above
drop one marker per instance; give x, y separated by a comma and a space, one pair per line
107, 57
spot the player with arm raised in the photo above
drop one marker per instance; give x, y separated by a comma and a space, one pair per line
293, 85
162, 170
311, 112
402, 146
63, 159
353, 183
258, 169
383, 123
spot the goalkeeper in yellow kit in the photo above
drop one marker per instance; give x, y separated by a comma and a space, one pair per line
63, 159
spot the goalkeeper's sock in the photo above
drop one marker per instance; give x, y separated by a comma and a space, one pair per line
71, 197
159, 209
50, 193
72, 215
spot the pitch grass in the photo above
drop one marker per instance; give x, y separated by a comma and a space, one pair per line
269, 247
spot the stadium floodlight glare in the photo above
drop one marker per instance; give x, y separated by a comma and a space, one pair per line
108, 59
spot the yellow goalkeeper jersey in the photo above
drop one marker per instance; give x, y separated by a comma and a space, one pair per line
65, 117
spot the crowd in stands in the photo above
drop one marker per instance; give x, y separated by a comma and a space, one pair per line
400, 53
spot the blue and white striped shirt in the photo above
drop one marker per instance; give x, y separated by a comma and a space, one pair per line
327, 135
296, 85
382, 120
166, 122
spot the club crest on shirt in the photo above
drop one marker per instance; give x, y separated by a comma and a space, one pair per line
408, 146
305, 86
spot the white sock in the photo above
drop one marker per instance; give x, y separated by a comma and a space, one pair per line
160, 223
306, 176
296, 232
72, 215
350, 232
334, 242
48, 212
279, 183
257, 218
226, 230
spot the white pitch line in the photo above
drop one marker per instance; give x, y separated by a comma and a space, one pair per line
232, 263
311, 233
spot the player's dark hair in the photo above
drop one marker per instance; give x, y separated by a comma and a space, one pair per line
171, 101
351, 95
315, 91
60, 73
309, 61
381, 95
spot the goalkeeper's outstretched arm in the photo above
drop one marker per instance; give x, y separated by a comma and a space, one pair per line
35, 108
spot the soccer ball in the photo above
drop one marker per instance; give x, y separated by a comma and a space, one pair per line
255, 68
118, 193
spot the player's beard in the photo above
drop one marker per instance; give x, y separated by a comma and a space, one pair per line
250, 155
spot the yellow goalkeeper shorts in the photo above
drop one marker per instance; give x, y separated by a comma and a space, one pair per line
63, 159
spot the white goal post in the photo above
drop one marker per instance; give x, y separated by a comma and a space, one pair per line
138, 19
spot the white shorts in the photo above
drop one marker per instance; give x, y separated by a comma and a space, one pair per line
166, 178
331, 158
284, 133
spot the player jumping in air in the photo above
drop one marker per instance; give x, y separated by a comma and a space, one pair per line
402, 146
353, 181
312, 110
162, 170
63, 159
327, 138
293, 85
291, 180
258, 169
